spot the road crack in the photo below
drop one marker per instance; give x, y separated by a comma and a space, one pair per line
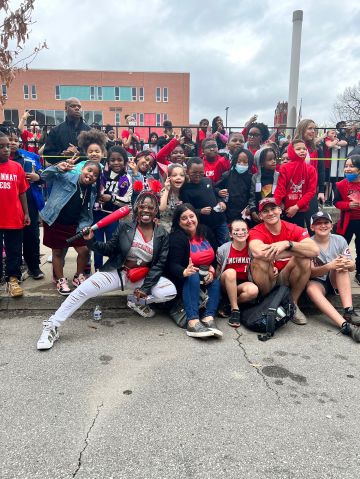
87, 440
257, 369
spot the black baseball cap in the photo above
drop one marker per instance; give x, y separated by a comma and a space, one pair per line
321, 215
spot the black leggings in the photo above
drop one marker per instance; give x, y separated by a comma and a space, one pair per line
354, 229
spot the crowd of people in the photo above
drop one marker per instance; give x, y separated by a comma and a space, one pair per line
216, 222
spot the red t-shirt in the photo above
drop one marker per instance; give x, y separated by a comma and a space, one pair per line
288, 232
239, 261
214, 169
12, 184
29, 142
130, 148
201, 252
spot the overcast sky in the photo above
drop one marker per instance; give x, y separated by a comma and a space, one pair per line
237, 52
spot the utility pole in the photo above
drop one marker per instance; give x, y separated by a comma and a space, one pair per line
294, 69
226, 115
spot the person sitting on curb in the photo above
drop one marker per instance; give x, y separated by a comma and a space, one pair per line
330, 275
281, 254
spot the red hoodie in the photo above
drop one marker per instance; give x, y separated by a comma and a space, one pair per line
297, 182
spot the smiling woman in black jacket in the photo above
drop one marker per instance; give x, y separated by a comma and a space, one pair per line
137, 256
192, 251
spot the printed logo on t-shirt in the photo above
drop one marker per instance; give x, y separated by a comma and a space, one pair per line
6, 179
209, 173
202, 246
295, 190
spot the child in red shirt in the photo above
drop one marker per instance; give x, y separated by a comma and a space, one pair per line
14, 215
296, 184
214, 164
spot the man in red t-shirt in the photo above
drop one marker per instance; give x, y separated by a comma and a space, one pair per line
130, 137
281, 253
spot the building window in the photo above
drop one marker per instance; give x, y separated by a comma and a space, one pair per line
93, 117
117, 94
33, 92
141, 93
12, 115
165, 94
117, 118
57, 92
158, 119
4, 90
26, 92
99, 93
165, 116
141, 119
158, 94
133, 94
92, 93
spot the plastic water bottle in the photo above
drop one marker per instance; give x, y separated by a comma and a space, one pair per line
280, 313
97, 313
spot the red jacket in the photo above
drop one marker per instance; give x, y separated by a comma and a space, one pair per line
342, 202
297, 182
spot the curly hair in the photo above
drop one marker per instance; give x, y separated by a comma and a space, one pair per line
87, 138
264, 130
120, 150
140, 200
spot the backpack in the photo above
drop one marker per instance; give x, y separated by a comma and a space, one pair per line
177, 311
263, 317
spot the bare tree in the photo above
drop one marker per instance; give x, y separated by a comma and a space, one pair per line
347, 106
14, 33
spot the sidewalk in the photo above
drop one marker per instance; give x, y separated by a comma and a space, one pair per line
42, 294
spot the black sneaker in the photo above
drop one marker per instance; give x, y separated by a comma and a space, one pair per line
351, 316
199, 331
352, 331
36, 273
357, 278
234, 319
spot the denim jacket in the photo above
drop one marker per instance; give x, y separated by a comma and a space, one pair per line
63, 187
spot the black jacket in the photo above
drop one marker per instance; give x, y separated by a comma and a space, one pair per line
179, 255
238, 187
61, 136
118, 248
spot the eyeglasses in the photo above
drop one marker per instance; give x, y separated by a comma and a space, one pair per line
196, 173
254, 134
211, 147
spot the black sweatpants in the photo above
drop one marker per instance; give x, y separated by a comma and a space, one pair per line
13, 247
31, 239
354, 229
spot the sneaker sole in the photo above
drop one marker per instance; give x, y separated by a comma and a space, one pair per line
205, 334
234, 325
139, 311
64, 293
217, 332
299, 322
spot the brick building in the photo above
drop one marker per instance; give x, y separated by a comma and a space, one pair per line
106, 96
280, 117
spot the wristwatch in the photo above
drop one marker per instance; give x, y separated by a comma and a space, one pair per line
291, 245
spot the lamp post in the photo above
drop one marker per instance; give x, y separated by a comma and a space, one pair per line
226, 115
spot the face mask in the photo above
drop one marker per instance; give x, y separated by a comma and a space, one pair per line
241, 169
132, 123
351, 176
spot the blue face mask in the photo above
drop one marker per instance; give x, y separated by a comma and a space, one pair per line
351, 176
241, 169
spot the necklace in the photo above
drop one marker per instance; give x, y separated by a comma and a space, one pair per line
82, 194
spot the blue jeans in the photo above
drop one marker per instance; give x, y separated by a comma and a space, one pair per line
190, 295
221, 233
102, 234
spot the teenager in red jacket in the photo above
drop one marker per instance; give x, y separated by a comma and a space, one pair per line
296, 184
347, 200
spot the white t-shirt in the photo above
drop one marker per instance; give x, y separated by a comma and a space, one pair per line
337, 246
141, 250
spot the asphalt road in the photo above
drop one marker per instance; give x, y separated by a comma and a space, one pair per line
136, 398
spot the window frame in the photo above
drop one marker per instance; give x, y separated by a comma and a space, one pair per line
165, 97
33, 92
141, 93
158, 96
26, 95
133, 93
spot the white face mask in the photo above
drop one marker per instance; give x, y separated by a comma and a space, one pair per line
132, 123
241, 168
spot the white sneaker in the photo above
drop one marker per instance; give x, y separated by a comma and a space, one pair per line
49, 258
48, 336
143, 309
299, 317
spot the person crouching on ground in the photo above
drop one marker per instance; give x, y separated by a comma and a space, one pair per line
281, 254
193, 248
137, 254
330, 275
68, 210
233, 264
